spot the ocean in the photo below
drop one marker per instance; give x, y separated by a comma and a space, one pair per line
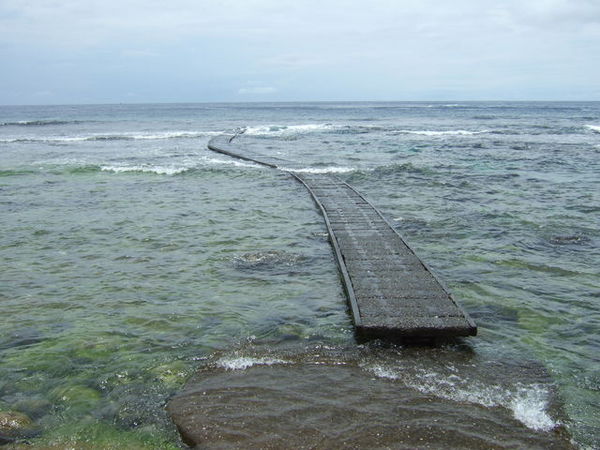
131, 256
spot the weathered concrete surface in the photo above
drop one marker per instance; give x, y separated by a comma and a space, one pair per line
391, 292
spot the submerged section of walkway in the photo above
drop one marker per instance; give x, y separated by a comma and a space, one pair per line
392, 293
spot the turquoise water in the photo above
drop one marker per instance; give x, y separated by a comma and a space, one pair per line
130, 253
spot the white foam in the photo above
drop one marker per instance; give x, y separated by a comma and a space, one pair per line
383, 372
171, 135
244, 362
529, 407
278, 130
118, 136
442, 132
528, 403
321, 169
230, 162
160, 170
595, 128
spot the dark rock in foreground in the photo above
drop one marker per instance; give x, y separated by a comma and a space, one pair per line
339, 404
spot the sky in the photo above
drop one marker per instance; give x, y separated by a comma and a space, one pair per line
137, 51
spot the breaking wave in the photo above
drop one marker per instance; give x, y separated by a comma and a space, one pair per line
116, 137
594, 128
317, 170
39, 123
176, 169
278, 130
528, 403
295, 130
245, 362
230, 162
159, 170
441, 132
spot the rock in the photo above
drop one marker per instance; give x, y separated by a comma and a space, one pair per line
34, 407
139, 405
173, 374
323, 401
14, 424
76, 399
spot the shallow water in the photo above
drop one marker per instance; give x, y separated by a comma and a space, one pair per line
129, 253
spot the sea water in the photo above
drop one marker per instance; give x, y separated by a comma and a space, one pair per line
130, 255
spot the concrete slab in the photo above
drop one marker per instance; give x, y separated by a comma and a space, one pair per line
392, 293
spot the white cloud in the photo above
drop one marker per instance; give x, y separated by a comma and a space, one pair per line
393, 46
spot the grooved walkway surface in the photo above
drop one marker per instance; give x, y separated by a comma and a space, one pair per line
390, 291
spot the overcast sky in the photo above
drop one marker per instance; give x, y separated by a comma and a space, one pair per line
107, 51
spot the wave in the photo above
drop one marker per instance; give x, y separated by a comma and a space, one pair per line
594, 128
74, 166
245, 362
16, 172
278, 130
159, 170
441, 132
528, 403
294, 130
230, 162
321, 169
117, 137
39, 123
177, 169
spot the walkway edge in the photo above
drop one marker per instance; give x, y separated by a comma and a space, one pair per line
404, 322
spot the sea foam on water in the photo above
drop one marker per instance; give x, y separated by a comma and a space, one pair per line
528, 403
245, 362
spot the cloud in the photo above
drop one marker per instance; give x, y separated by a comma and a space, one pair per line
388, 49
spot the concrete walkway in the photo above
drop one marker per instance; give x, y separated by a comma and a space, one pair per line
392, 293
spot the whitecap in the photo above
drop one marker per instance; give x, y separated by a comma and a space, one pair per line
230, 162
244, 362
118, 136
595, 128
317, 170
159, 170
441, 132
13, 141
42, 122
529, 407
171, 135
278, 130
528, 403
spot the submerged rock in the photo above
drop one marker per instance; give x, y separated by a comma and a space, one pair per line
75, 399
14, 425
138, 405
12, 421
331, 399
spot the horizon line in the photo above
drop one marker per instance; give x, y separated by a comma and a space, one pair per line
450, 102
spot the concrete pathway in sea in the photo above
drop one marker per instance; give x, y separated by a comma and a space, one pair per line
392, 293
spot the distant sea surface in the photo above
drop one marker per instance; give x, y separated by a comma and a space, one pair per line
130, 255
